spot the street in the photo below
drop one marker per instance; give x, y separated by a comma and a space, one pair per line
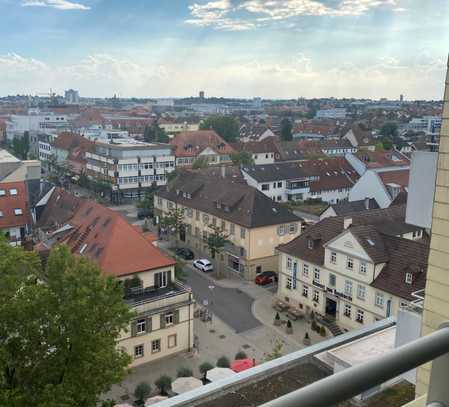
231, 305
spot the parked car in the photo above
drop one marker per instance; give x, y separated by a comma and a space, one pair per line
266, 277
203, 265
144, 213
185, 253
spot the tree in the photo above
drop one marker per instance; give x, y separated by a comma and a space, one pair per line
174, 222
147, 202
389, 129
184, 372
154, 134
205, 367
223, 361
276, 352
387, 143
200, 162
243, 158
226, 127
240, 355
142, 392
163, 383
216, 241
58, 329
286, 130
21, 146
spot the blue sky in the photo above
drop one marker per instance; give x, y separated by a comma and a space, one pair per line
241, 48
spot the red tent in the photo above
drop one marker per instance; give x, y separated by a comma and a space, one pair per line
240, 365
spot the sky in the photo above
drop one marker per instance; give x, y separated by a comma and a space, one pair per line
229, 48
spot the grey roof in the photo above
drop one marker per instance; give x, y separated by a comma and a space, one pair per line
233, 201
344, 208
275, 172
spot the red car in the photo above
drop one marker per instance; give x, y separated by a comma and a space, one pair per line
266, 277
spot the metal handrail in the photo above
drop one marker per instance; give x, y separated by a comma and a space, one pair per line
356, 380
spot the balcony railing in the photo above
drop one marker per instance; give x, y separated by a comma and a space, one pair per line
140, 296
347, 383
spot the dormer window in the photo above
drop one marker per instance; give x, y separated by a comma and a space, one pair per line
310, 244
409, 278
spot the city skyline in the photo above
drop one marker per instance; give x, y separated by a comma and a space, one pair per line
229, 48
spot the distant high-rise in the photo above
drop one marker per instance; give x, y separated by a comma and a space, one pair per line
201, 94
72, 97
401, 98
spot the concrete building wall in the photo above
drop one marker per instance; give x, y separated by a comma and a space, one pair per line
369, 185
436, 304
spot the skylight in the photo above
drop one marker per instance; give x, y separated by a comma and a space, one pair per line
371, 243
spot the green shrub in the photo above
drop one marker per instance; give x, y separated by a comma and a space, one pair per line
142, 391
205, 367
163, 384
184, 372
223, 362
240, 355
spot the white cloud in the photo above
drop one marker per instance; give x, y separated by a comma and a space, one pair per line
223, 15
57, 4
105, 75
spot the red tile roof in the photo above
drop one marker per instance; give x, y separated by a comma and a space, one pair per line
400, 177
380, 159
105, 237
8, 203
192, 143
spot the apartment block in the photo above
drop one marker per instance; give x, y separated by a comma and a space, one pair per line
254, 224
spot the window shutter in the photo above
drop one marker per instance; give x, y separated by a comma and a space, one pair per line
133, 328
157, 280
149, 324
176, 317
162, 321
169, 277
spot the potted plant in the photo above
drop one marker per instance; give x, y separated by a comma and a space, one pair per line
163, 384
142, 392
323, 331
223, 361
289, 327
277, 319
240, 355
184, 372
204, 368
306, 340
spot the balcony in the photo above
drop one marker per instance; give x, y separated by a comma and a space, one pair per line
334, 388
151, 298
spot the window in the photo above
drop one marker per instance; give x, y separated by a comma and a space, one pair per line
305, 270
350, 263
305, 291
289, 263
223, 225
361, 292
332, 280
379, 301
348, 287
316, 296
18, 211
189, 212
292, 228
279, 184
1, 214
288, 283
156, 346
360, 316
316, 274
231, 229
333, 258
13, 191
169, 318
281, 230
347, 311
242, 232
409, 278
172, 341
161, 279
141, 326
197, 215
2, 192
274, 185
310, 244
205, 218
214, 221
138, 351
363, 267
265, 187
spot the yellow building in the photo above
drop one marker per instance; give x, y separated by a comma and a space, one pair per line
252, 223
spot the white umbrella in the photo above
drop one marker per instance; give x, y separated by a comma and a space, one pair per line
185, 384
154, 400
218, 373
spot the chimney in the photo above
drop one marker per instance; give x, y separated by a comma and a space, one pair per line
347, 222
366, 203
223, 171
